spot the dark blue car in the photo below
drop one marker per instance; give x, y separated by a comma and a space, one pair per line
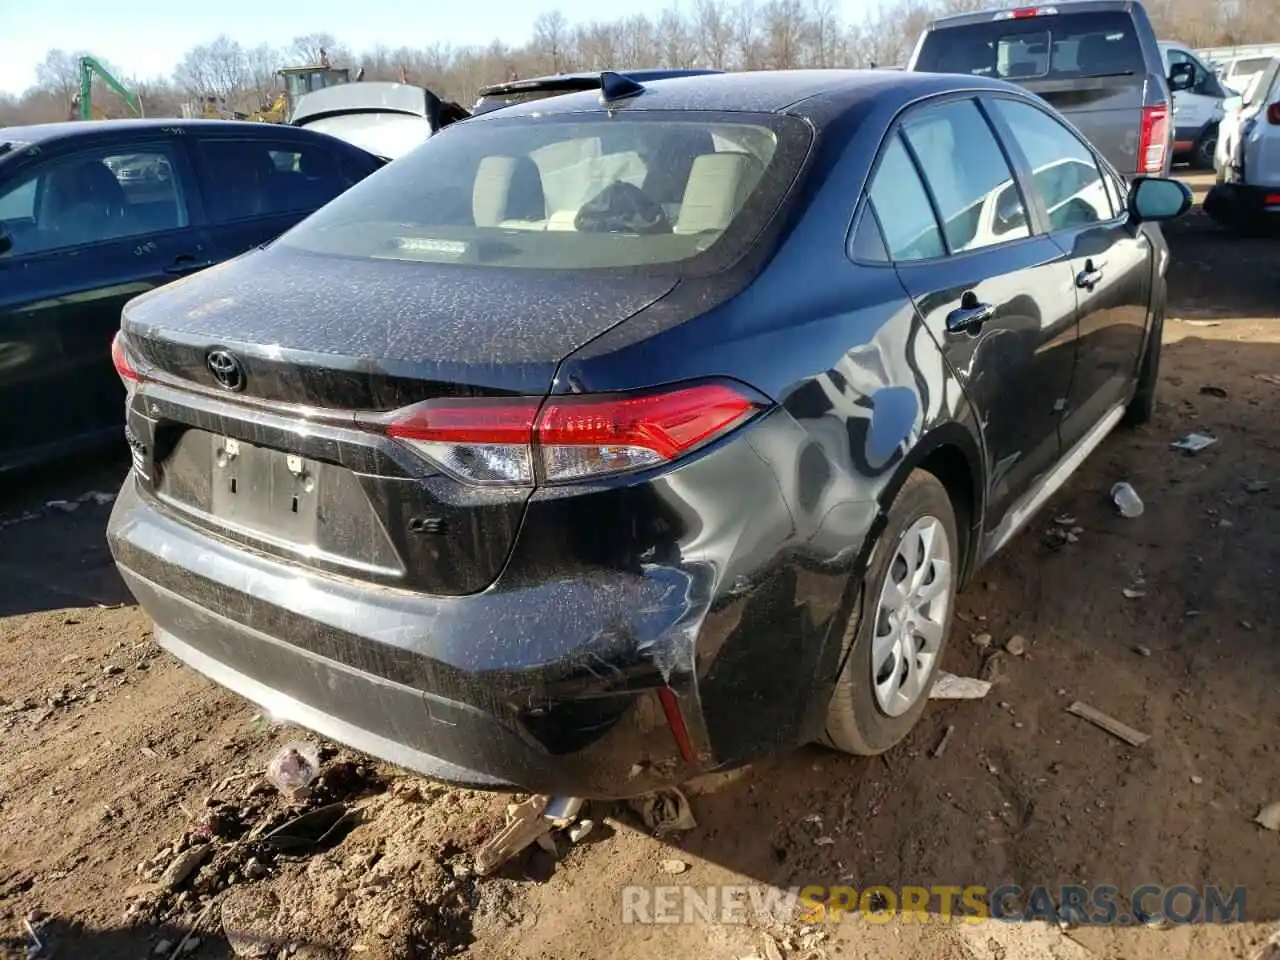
636, 433
94, 213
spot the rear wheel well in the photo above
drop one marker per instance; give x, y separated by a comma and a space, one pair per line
949, 464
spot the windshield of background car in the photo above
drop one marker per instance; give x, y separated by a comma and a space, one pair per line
570, 192
1057, 47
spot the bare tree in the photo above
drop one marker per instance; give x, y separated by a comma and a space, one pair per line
59, 74
714, 30
262, 65
550, 38
309, 49
219, 68
724, 34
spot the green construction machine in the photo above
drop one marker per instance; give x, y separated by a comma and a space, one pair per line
82, 102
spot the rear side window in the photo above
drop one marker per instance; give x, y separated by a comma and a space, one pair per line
968, 174
1064, 171
1062, 46
94, 196
255, 178
902, 206
572, 192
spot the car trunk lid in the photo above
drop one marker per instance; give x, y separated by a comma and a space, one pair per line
256, 412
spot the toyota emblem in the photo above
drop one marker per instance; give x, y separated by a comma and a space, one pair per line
226, 370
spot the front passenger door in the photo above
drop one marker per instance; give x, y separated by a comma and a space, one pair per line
1111, 262
996, 297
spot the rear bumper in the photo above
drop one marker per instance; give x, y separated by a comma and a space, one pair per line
552, 680
1242, 203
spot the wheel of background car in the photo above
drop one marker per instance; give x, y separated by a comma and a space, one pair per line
1205, 149
897, 633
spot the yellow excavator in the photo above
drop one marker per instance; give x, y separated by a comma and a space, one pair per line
299, 81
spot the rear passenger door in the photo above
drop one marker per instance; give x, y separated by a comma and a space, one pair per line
995, 295
257, 188
91, 229
1111, 261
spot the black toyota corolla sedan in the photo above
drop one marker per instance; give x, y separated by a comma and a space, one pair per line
640, 432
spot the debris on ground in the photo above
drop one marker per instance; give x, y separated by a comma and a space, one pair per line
1142, 651
1194, 442
580, 830
1110, 724
1256, 486
947, 686
992, 667
981, 640
527, 823
63, 506
1269, 817
941, 748
184, 865
1132, 594
1016, 646
1209, 390
665, 811
1126, 500
293, 768
674, 866
1271, 378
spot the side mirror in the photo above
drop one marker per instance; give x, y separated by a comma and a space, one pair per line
1182, 76
1152, 199
6, 241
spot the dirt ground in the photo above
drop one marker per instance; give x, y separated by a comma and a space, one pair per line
115, 761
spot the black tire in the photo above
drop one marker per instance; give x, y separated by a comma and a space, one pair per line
855, 722
1202, 153
1143, 405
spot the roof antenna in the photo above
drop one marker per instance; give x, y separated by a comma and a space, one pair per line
615, 86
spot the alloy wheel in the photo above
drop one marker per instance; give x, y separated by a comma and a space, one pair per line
911, 616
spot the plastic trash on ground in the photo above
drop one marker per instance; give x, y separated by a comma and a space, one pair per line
1127, 500
293, 768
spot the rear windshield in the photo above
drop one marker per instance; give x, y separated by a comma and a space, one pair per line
1055, 47
577, 191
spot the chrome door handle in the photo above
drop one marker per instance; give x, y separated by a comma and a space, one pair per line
964, 319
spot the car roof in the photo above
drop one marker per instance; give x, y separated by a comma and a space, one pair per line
1058, 6
44, 133
808, 93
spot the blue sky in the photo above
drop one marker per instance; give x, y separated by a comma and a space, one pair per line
147, 37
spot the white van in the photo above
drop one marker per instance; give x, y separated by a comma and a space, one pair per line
1197, 111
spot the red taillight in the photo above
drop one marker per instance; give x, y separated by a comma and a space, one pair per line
1153, 139
1021, 13
1273, 114
128, 373
522, 440
1271, 199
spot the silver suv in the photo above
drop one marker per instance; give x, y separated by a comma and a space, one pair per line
1096, 61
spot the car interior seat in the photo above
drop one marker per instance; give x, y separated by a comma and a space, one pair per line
508, 193
718, 186
83, 202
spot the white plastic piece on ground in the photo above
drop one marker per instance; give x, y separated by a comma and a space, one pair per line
1126, 500
293, 768
947, 686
